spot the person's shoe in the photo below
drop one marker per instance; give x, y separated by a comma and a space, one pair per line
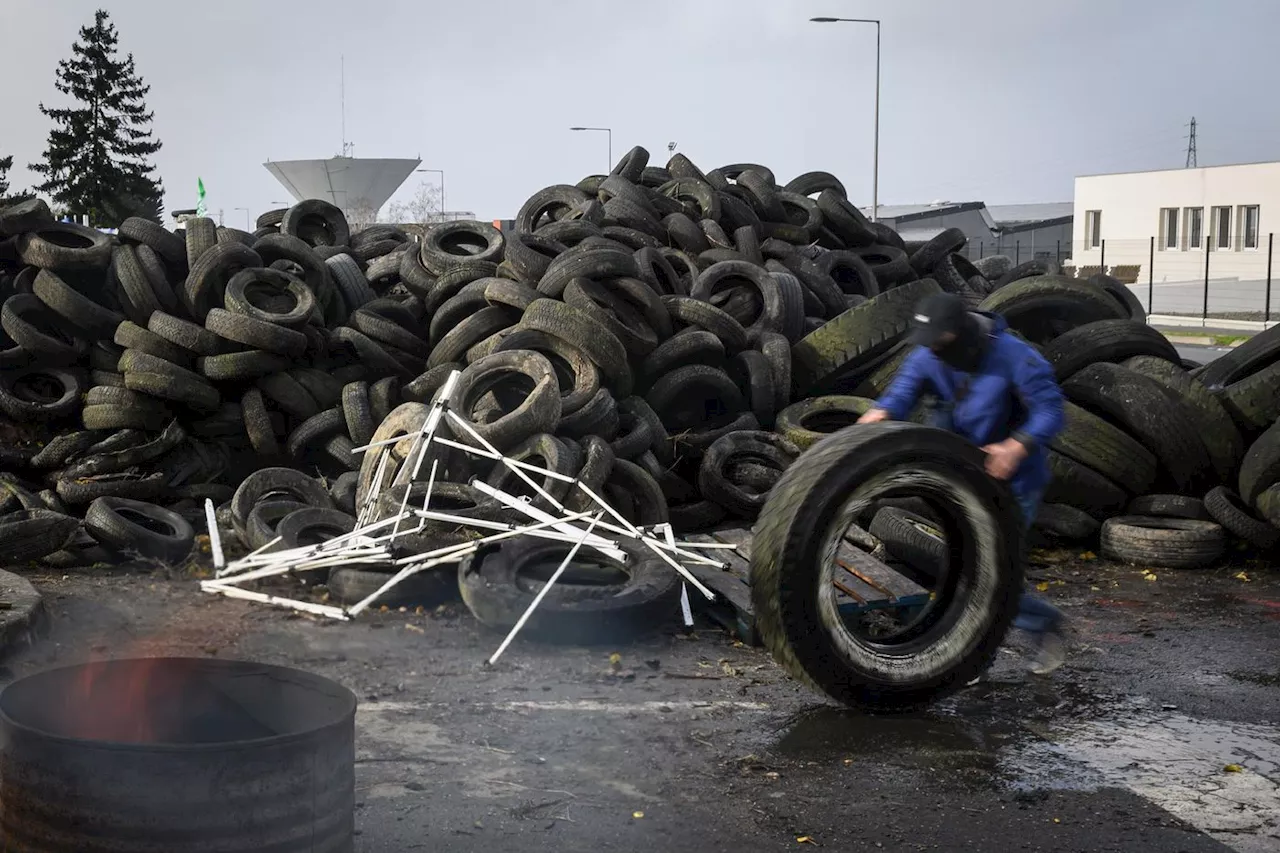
1052, 652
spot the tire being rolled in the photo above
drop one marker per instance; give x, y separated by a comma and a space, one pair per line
802, 523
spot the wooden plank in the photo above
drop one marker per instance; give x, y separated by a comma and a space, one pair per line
739, 536
732, 608
875, 574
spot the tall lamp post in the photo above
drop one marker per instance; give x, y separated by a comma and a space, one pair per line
246, 218
440, 172
607, 130
875, 180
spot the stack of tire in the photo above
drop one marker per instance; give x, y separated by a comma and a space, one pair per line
674, 338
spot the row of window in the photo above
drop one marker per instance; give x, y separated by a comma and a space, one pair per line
1183, 229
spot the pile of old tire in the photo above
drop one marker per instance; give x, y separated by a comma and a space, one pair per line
1162, 462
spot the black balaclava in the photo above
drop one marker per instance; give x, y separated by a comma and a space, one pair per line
970, 345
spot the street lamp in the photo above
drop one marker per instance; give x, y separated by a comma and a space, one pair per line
607, 130
246, 218
875, 181
439, 172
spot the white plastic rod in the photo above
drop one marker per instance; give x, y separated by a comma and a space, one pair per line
215, 538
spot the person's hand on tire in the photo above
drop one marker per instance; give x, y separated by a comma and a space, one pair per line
1004, 457
874, 416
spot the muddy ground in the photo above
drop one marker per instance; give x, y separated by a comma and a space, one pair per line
695, 742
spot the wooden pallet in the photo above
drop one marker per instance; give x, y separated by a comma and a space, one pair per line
865, 584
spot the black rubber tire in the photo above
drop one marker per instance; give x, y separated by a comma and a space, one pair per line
1063, 523
538, 412
1228, 509
77, 310
1254, 402
264, 518
288, 395
159, 239
1080, 486
276, 484
128, 452
37, 395
272, 296
65, 246
1268, 503
1260, 467
548, 205
257, 424
448, 244
32, 534
113, 417
1219, 433
185, 334
358, 412
197, 394
375, 356
1044, 307
812, 183
1030, 269
62, 449
545, 451
680, 397
132, 336
1106, 340
1151, 414
206, 284
598, 417
579, 378
315, 431
1169, 543
605, 308
471, 331
85, 491
255, 333
143, 528
1107, 449
844, 220
914, 541
984, 577
807, 422
39, 331
573, 327
1169, 506
1261, 350
695, 313
590, 262
242, 366
312, 526
766, 448
317, 222
857, 336
577, 613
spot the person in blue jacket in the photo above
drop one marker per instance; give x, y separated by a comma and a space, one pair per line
997, 391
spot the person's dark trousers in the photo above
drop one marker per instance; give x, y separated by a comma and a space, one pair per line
1035, 614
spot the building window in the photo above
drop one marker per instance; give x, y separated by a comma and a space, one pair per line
1093, 228
1195, 227
1249, 226
1222, 227
1169, 228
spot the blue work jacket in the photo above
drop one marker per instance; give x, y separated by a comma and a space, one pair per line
1013, 393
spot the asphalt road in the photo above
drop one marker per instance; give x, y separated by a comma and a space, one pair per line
1202, 354
696, 743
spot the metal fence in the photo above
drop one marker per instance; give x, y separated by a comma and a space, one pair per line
1194, 284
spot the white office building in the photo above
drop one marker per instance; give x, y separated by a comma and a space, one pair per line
1169, 232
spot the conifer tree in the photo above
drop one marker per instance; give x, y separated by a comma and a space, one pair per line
97, 160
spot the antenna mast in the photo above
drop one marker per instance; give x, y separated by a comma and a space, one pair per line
343, 97
1191, 146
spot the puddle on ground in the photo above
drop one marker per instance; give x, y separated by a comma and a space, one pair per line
1222, 778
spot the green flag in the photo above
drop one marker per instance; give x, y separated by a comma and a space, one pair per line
200, 208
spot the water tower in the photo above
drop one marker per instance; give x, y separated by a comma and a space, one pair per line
359, 186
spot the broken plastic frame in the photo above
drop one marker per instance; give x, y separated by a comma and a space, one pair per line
370, 542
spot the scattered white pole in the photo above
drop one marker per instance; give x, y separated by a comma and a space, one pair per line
215, 538
542, 593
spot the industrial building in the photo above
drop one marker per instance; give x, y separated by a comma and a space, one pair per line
1185, 238
1021, 231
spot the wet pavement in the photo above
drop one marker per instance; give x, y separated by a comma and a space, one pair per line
1158, 735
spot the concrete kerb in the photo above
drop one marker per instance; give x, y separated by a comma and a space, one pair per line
24, 616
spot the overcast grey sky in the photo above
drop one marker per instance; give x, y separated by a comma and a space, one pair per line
996, 100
